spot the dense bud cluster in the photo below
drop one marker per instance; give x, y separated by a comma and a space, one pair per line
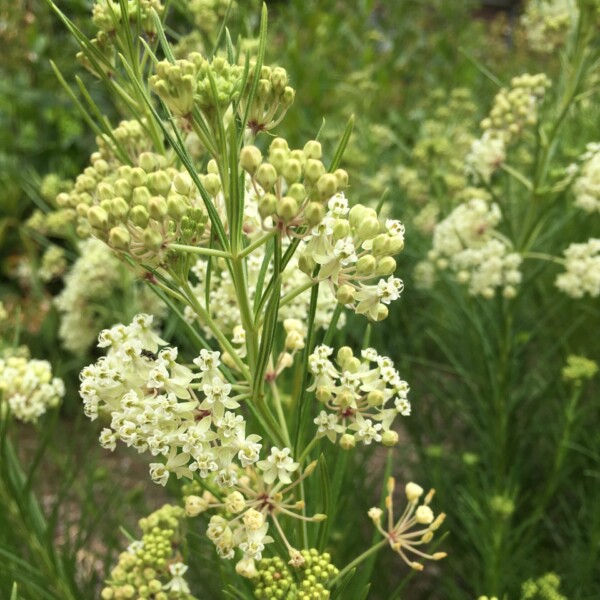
152, 567
587, 183
53, 263
582, 270
547, 22
310, 581
362, 398
543, 588
467, 243
27, 387
579, 368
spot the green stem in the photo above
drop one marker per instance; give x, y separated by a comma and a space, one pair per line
358, 560
199, 250
280, 414
261, 241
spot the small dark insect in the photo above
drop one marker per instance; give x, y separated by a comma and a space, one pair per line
149, 355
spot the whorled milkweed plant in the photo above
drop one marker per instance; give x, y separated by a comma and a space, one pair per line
258, 250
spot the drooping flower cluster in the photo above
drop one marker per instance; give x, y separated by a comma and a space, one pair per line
582, 270
154, 408
362, 397
404, 535
587, 184
27, 388
547, 22
310, 581
96, 277
152, 567
467, 243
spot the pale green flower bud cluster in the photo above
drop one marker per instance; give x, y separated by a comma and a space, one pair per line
187, 83
94, 279
151, 567
27, 388
53, 263
582, 270
310, 581
351, 248
107, 15
273, 98
547, 22
543, 588
467, 243
153, 406
587, 183
56, 223
362, 398
516, 108
579, 368
209, 14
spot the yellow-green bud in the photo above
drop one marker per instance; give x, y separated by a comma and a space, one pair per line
395, 245
278, 158
292, 170
212, 167
357, 214
279, 144
313, 169
82, 209
385, 266
342, 178
345, 294
299, 156
381, 244
352, 365
382, 312
212, 183
139, 216
266, 175
104, 191
152, 239
297, 191
368, 228
323, 394
375, 398
183, 184
141, 195
341, 229
347, 441
287, 98
344, 353
287, 208
306, 264
119, 238
314, 213
389, 438
122, 188
264, 89
267, 205
137, 177
250, 159
157, 208
279, 79
97, 217
149, 162
107, 594
366, 265
176, 207
159, 182
327, 186
119, 208
312, 149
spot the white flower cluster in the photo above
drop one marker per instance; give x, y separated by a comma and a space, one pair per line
29, 389
154, 408
467, 243
351, 248
587, 183
362, 397
485, 156
582, 270
546, 23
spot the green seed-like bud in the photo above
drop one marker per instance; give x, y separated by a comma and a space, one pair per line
306, 264
366, 265
314, 213
152, 239
323, 394
176, 207
139, 216
341, 229
149, 162
347, 441
287, 98
375, 398
157, 208
327, 186
292, 170
122, 188
381, 244
287, 208
352, 365
345, 294
368, 228
278, 157
183, 184
97, 217
344, 353
297, 191
312, 149
313, 169
104, 191
267, 205
266, 175
279, 79
118, 208
264, 90
250, 159
395, 245
357, 214
382, 312
159, 182
298, 155
342, 178
82, 209
212, 167
212, 183
385, 266
141, 195
137, 177
389, 438
279, 144
119, 238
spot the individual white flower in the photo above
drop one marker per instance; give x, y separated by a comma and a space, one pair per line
178, 584
278, 465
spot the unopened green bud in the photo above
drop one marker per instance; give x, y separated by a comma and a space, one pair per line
122, 188
366, 265
183, 184
312, 149
323, 394
381, 245
368, 228
212, 183
149, 162
119, 208
97, 217
212, 167
385, 266
375, 398
297, 191
292, 170
266, 175
287, 98
327, 186
139, 216
152, 239
279, 79
395, 245
264, 89
104, 191
267, 205
314, 213
137, 177
119, 238
344, 354
382, 312
279, 144
287, 208
352, 365
341, 229
356, 215
250, 159
176, 207
278, 157
313, 169
157, 208
342, 179
306, 264
159, 182
345, 294
389, 438
141, 195
347, 441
